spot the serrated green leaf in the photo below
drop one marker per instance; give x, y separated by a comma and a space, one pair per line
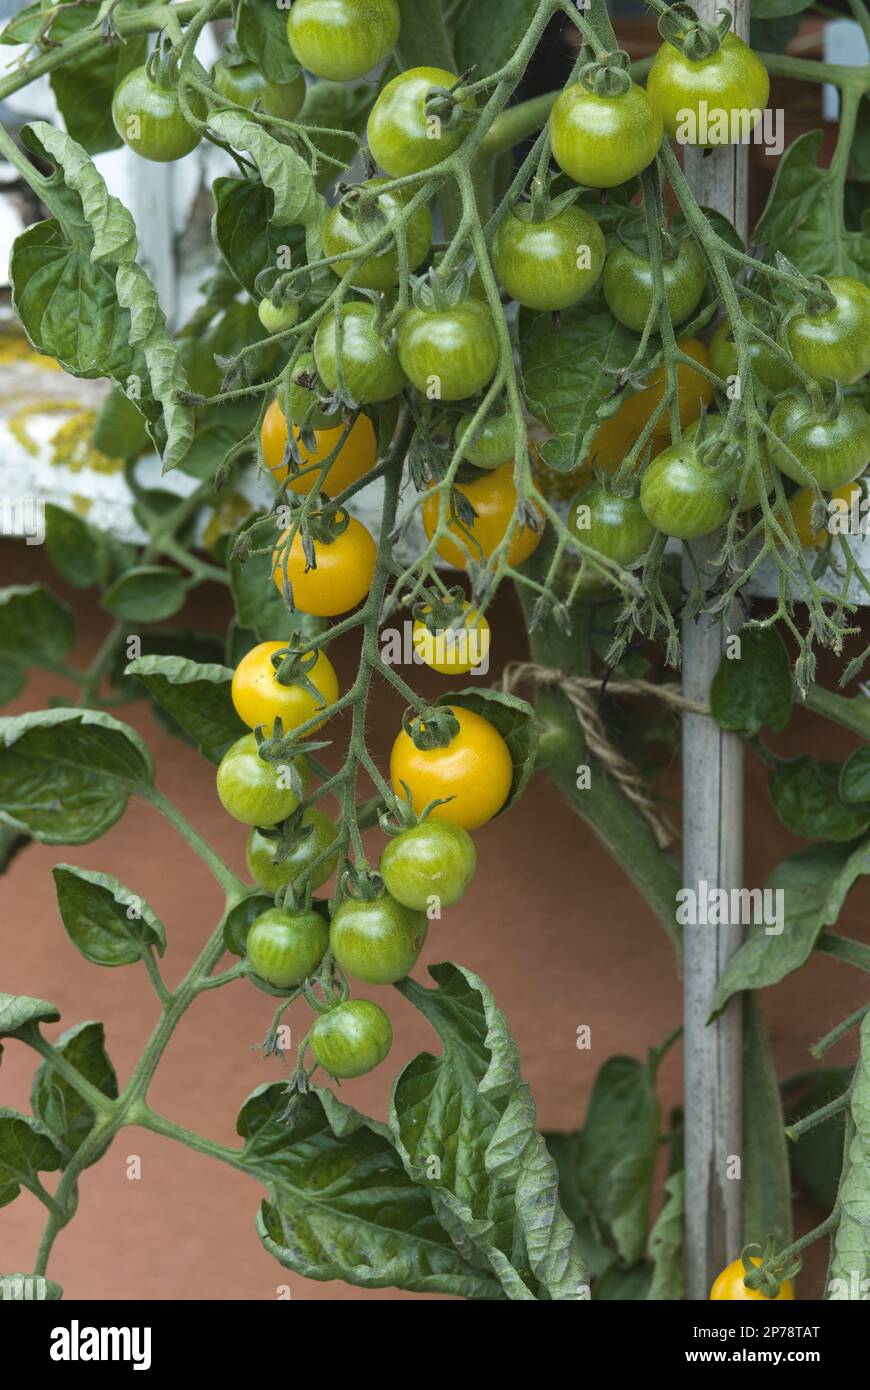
147, 593
756, 690
26, 1150
17, 1010
96, 912
341, 1205
798, 221
198, 698
36, 628
285, 173
515, 720
66, 774
814, 884
494, 1186
56, 1104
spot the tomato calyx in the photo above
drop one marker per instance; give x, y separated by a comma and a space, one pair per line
607, 76
768, 1276
695, 38
293, 667
403, 816
438, 290
440, 611
435, 727
445, 103
162, 64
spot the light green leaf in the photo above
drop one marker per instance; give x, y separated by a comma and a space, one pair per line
284, 172
105, 920
17, 1010
798, 219
756, 690
666, 1243
147, 593
849, 1269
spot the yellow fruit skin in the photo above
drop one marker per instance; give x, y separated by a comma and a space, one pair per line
475, 770
260, 698
729, 1286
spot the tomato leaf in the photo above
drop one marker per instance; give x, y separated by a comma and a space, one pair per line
666, 1242
850, 1246
806, 796
797, 219
496, 1185
17, 1010
261, 34
56, 1104
855, 777
485, 46
26, 1150
775, 9
80, 553
246, 236
285, 173
66, 774
564, 374
36, 628
370, 1224
241, 917
197, 696
82, 298
259, 606
755, 690
147, 593
341, 109
515, 720
765, 1179
814, 885
106, 921
817, 1154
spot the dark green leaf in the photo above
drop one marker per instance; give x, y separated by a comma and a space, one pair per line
855, 777
341, 1205
259, 606
17, 1010
247, 238
806, 796
850, 1247
66, 774
56, 1104
484, 44
817, 1154
773, 35
516, 722
495, 1185
340, 107
814, 885
239, 919
106, 921
165, 641
147, 593
282, 170
756, 689
198, 698
97, 72
797, 219
13, 679
36, 629
765, 1180
11, 844
775, 9
261, 34
26, 1150
624, 1285
119, 430
666, 1242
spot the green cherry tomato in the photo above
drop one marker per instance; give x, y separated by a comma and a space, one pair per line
492, 443
833, 449
244, 84
276, 317
254, 791
284, 948
614, 526
451, 353
351, 1039
682, 496
745, 484
318, 833
148, 118
628, 284
834, 345
772, 371
341, 40
432, 859
305, 401
402, 138
548, 264
709, 102
371, 373
376, 940
602, 141
344, 232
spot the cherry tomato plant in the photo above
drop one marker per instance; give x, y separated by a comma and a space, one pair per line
428, 285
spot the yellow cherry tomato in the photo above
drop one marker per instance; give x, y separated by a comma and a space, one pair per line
729, 1286
453, 651
341, 578
260, 698
356, 458
494, 498
475, 770
801, 507
693, 390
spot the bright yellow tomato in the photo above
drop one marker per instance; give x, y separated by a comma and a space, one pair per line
341, 578
453, 651
801, 507
729, 1286
260, 698
494, 498
475, 770
357, 456
693, 390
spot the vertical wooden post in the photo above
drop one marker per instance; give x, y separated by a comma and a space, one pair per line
712, 853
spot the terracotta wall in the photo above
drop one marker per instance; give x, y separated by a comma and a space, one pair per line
550, 923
